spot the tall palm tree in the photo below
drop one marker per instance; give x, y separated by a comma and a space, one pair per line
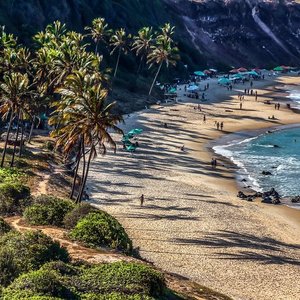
162, 52
12, 93
85, 119
119, 42
142, 43
99, 32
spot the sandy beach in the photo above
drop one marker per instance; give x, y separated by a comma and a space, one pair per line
192, 223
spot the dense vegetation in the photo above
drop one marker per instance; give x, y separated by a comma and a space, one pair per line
62, 75
105, 281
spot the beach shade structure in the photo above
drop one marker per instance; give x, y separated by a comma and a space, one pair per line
135, 131
224, 81
173, 91
237, 76
233, 71
278, 69
192, 88
242, 70
200, 73
213, 70
253, 73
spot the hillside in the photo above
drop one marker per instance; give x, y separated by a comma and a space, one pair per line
214, 32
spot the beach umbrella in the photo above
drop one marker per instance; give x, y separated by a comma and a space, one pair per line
224, 81
242, 69
135, 131
253, 73
213, 70
173, 91
233, 71
278, 69
237, 76
192, 88
199, 73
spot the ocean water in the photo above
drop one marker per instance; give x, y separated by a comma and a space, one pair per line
294, 94
277, 152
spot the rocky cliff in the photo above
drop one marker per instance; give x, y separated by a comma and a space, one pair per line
235, 32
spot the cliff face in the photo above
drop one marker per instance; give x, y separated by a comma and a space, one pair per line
243, 31
237, 32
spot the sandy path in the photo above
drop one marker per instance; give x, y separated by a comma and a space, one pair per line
192, 223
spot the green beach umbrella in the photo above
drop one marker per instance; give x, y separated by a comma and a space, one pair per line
173, 91
279, 68
199, 73
135, 131
223, 81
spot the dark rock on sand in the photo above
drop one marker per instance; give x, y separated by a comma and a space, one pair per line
295, 199
266, 173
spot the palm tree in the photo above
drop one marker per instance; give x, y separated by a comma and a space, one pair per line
99, 32
162, 53
119, 42
12, 93
142, 43
85, 118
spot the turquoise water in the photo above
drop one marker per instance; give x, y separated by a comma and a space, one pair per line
257, 154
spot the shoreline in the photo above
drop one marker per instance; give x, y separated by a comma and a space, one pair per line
191, 222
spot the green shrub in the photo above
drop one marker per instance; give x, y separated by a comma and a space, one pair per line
4, 227
123, 278
80, 211
8, 268
14, 197
61, 268
37, 283
28, 251
11, 175
101, 229
48, 210
115, 296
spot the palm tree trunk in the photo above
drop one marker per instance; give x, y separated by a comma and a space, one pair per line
140, 65
83, 171
31, 130
7, 138
97, 45
159, 68
117, 65
22, 137
16, 141
86, 175
76, 171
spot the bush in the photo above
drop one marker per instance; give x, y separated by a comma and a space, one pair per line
37, 283
14, 197
71, 219
8, 267
115, 296
28, 252
101, 229
48, 210
10, 175
4, 227
123, 278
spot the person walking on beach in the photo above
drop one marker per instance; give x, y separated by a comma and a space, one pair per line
142, 199
218, 125
222, 125
212, 162
241, 105
204, 118
278, 106
255, 95
251, 83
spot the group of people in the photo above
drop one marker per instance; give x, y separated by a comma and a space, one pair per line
219, 125
277, 106
214, 163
